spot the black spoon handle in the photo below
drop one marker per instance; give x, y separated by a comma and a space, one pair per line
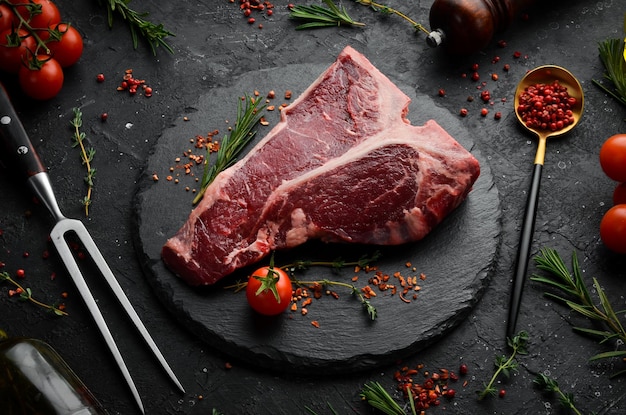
19, 150
523, 250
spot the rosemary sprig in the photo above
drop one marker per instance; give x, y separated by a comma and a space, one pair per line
377, 397
612, 56
154, 34
377, 7
505, 364
577, 297
249, 113
26, 294
86, 155
330, 408
549, 385
317, 16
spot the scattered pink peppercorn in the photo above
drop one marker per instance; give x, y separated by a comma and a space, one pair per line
497, 115
442, 92
100, 77
475, 76
502, 393
484, 112
20, 273
517, 54
463, 369
104, 116
463, 112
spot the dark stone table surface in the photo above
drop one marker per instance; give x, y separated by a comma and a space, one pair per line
213, 47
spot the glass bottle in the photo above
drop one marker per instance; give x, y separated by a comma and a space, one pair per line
34, 379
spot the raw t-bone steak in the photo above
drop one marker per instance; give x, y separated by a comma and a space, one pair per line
342, 165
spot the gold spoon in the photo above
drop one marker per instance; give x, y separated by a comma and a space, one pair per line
546, 75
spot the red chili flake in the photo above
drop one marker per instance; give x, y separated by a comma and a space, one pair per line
315, 324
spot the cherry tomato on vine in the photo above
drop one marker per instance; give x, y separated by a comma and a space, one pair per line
40, 14
269, 291
69, 48
619, 194
613, 157
613, 229
43, 83
7, 18
14, 49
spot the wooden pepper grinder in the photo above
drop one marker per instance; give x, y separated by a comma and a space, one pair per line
464, 27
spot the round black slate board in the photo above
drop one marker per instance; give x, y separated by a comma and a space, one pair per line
457, 257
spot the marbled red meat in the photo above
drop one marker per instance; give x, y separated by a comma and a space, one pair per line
343, 165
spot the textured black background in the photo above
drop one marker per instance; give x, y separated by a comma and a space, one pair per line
214, 45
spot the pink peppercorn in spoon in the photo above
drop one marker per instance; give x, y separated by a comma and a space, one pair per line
549, 102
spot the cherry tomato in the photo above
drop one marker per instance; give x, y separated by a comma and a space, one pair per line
68, 50
14, 49
613, 229
619, 194
7, 18
40, 14
613, 157
261, 298
44, 83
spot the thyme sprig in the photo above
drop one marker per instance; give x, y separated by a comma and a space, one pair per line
25, 294
316, 16
612, 56
381, 8
300, 265
506, 364
550, 385
338, 263
575, 294
249, 113
154, 34
86, 155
